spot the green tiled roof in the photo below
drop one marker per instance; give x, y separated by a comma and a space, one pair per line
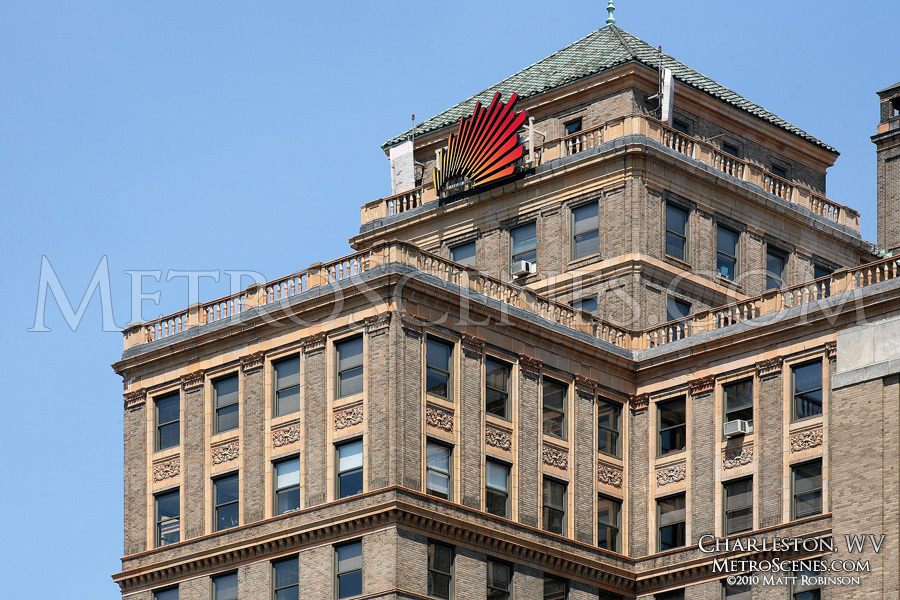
888, 88
596, 52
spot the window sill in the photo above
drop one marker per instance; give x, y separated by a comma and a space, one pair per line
281, 420
807, 422
347, 400
490, 419
609, 458
552, 439
729, 283
679, 263
167, 453
674, 456
576, 263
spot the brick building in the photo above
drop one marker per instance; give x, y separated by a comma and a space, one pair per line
657, 333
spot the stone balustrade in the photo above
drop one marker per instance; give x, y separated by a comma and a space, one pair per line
510, 294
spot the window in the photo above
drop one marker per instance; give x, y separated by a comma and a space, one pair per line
608, 511
807, 390
555, 588
287, 386
168, 424
736, 592
774, 270
588, 304
350, 366
287, 485
437, 470
819, 272
225, 587
349, 570
524, 243
610, 596
496, 393
464, 254
499, 577
680, 126
573, 145
726, 252
554, 506
676, 309
676, 232
810, 591
730, 149
573, 126
806, 480
496, 492
437, 367
554, 400
738, 505
672, 426
609, 417
286, 574
585, 231
673, 595
226, 395
739, 401
168, 518
350, 469
166, 594
671, 514
440, 571
227, 508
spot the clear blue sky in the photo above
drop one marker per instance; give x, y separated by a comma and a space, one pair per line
226, 135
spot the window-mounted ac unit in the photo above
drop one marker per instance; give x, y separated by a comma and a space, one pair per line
520, 268
739, 427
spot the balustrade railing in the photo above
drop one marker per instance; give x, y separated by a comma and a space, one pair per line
393, 205
513, 295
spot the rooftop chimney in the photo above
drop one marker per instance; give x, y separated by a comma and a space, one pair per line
887, 151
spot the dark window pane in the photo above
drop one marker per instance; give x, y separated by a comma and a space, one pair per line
226, 399
168, 522
437, 372
349, 568
225, 587
554, 501
287, 386
351, 483
573, 127
167, 409
464, 254
227, 516
585, 224
287, 401
350, 366
676, 309
671, 522
774, 271
286, 579
554, 402
671, 426
226, 489
739, 401
499, 576
676, 231
554, 589
226, 499
497, 387
437, 470
440, 565
737, 592
808, 390
807, 489
169, 594
227, 418
608, 417
287, 485
524, 242
608, 523
169, 435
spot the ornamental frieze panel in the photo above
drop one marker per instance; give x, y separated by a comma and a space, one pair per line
806, 440
737, 457
671, 474
286, 435
498, 438
609, 475
192, 380
225, 452
167, 469
348, 417
439, 418
556, 457
770, 367
702, 385
135, 399
252, 362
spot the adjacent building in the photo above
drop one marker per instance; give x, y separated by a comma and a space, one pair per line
600, 338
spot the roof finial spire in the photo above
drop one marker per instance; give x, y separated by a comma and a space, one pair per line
610, 8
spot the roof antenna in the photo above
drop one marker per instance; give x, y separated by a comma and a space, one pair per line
610, 8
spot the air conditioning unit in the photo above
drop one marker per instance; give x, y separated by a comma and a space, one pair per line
520, 268
739, 427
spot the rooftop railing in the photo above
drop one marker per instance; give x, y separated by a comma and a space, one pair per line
704, 151
510, 294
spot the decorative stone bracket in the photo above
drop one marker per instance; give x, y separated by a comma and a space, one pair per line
252, 362
639, 402
530, 366
193, 380
135, 399
770, 367
702, 385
